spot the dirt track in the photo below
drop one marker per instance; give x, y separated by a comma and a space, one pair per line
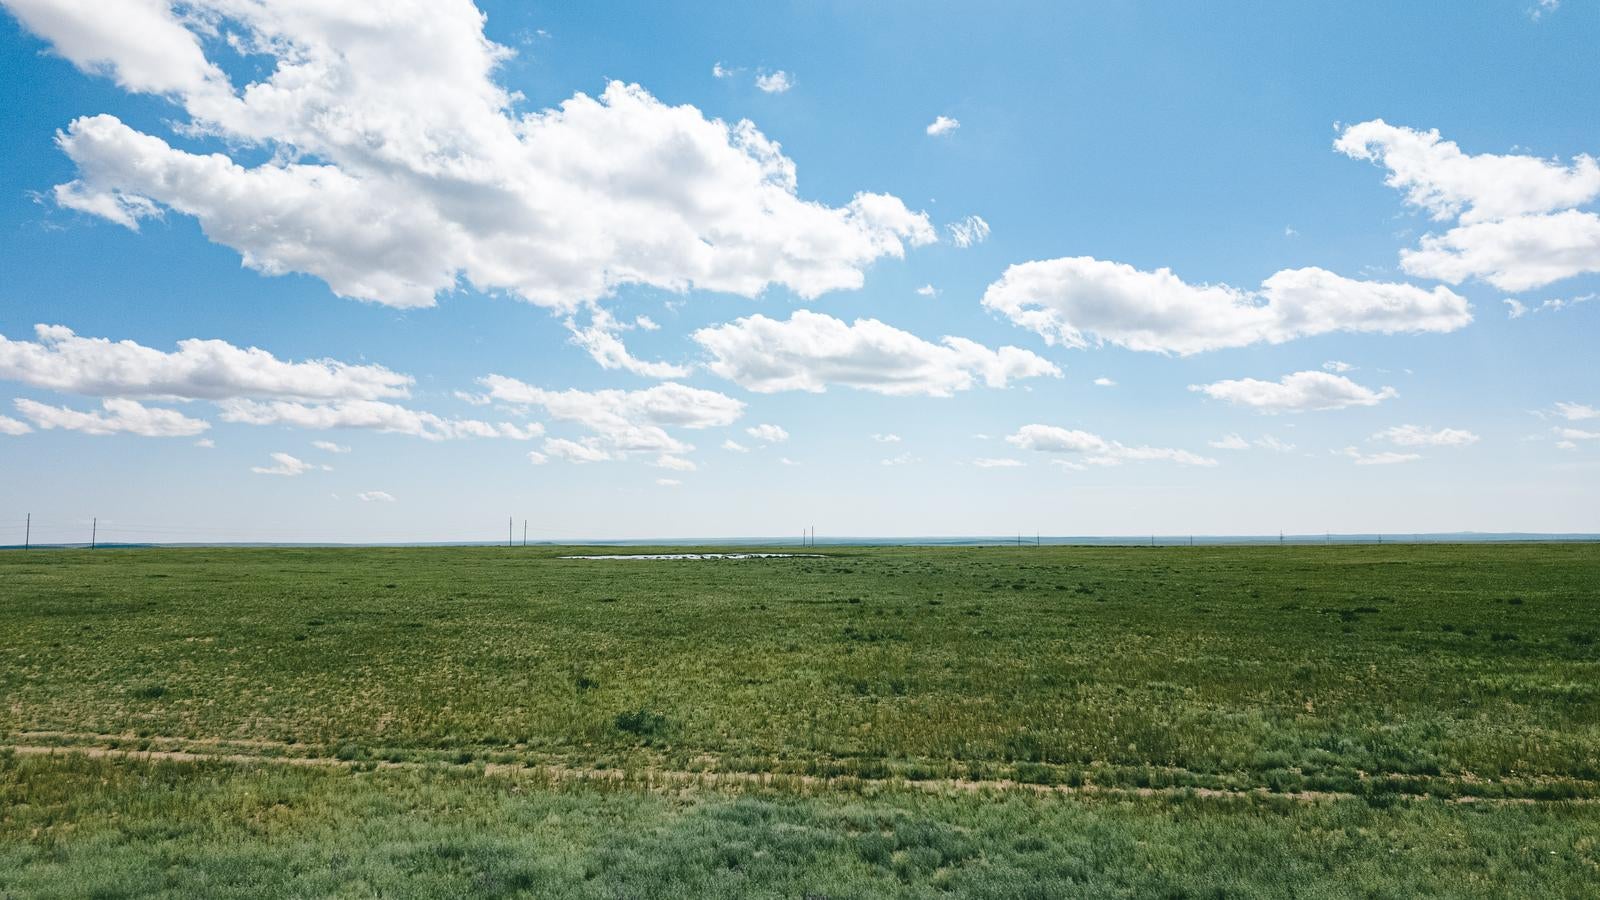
657, 777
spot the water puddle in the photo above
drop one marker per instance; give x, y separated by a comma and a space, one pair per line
701, 556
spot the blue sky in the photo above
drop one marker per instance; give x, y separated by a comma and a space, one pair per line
440, 232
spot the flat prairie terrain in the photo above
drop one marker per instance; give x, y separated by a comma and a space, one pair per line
1300, 721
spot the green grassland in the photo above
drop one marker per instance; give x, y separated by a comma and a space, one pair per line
1274, 721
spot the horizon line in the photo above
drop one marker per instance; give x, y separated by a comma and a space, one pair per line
1158, 539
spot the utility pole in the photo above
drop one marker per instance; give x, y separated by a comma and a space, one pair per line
94, 531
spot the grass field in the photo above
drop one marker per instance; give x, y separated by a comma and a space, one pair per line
1301, 721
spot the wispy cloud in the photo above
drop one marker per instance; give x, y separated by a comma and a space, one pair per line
969, 231
1386, 458
1418, 436
284, 464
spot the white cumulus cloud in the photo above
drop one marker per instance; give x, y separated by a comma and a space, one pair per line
1438, 177
1576, 412
376, 149
1515, 254
942, 125
623, 422
375, 497
811, 351
199, 369
600, 338
575, 451
14, 427
1296, 392
1076, 449
375, 415
768, 434
330, 446
117, 416
775, 82
1079, 301
1518, 225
